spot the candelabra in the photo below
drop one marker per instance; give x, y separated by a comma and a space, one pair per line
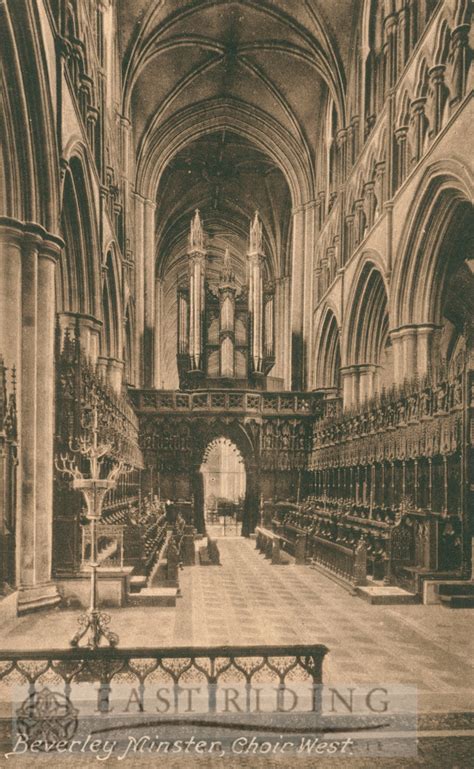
93, 488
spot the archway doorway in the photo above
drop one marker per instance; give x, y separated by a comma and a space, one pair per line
224, 485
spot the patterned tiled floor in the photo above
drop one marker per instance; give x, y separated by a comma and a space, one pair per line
246, 600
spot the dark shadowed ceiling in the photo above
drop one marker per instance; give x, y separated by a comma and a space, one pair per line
228, 101
228, 179
278, 56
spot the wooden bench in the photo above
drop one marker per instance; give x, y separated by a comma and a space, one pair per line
293, 540
270, 544
348, 565
165, 572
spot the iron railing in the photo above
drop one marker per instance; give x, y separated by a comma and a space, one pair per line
140, 665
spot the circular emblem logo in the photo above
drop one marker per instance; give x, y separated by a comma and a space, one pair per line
46, 717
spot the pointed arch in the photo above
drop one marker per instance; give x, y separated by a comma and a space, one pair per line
441, 43
78, 271
366, 328
421, 79
30, 179
328, 373
162, 142
403, 112
112, 336
366, 341
444, 197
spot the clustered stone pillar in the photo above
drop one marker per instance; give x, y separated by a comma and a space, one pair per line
145, 287
256, 260
28, 255
158, 354
282, 331
88, 328
358, 383
197, 263
413, 350
306, 221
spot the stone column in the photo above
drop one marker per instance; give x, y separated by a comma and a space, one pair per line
197, 264
115, 374
460, 56
102, 364
366, 372
425, 343
408, 337
397, 357
402, 163
33, 254
403, 37
89, 331
350, 386
359, 221
317, 290
256, 260
139, 288
391, 52
341, 171
380, 184
149, 298
321, 208
281, 326
286, 330
418, 121
10, 295
307, 296
297, 290
369, 203
437, 100
413, 350
355, 137
158, 354
349, 241
277, 369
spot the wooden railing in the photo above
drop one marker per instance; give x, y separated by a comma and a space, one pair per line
347, 563
394, 546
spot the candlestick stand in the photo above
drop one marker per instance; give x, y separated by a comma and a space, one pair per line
93, 488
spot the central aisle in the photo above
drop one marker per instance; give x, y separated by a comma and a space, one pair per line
248, 601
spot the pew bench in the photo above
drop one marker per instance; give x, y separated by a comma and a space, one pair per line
270, 544
347, 565
293, 540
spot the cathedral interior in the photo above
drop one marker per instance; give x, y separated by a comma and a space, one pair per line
237, 324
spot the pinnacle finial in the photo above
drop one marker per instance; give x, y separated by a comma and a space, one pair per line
196, 234
256, 239
227, 275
